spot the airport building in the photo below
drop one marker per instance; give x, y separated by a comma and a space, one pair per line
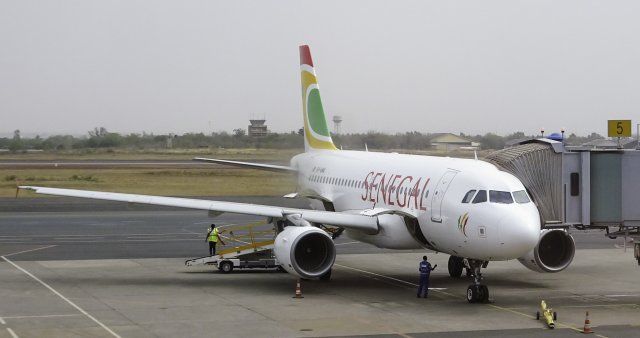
449, 141
257, 128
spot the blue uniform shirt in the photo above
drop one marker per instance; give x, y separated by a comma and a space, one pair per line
425, 268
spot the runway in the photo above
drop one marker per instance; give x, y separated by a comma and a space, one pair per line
120, 272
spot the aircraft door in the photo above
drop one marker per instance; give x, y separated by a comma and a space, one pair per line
438, 195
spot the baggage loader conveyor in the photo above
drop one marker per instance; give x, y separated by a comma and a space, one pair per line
246, 253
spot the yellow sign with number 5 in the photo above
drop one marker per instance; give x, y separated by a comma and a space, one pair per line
619, 128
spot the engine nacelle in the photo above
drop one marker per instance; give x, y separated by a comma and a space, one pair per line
305, 251
553, 253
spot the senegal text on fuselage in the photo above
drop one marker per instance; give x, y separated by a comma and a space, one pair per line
394, 189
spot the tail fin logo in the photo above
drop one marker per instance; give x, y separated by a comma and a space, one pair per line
316, 132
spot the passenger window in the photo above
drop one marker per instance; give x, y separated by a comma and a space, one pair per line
503, 197
481, 197
467, 198
521, 197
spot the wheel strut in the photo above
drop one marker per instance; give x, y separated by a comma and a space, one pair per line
477, 292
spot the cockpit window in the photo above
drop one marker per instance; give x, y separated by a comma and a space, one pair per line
521, 196
500, 197
467, 198
481, 196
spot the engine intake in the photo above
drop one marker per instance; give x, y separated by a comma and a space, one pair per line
305, 251
554, 252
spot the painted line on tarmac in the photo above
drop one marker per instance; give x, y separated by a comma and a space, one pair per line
393, 279
13, 334
42, 316
3, 322
348, 243
94, 319
25, 251
601, 305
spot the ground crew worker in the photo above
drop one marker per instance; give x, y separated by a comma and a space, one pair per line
213, 236
425, 270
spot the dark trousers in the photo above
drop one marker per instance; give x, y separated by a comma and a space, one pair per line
423, 289
212, 248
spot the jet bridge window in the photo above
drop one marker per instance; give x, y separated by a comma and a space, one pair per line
481, 197
469, 195
521, 197
503, 197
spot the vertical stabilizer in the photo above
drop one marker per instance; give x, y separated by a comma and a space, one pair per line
316, 131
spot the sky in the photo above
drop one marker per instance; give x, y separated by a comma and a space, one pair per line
474, 67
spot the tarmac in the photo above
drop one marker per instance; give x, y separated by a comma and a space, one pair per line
121, 273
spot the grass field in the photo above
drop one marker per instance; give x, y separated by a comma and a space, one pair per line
166, 181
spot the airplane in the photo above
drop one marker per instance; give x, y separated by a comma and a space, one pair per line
466, 208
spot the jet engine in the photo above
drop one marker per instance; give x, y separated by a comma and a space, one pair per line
553, 253
305, 251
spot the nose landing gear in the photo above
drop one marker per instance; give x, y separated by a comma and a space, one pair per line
476, 293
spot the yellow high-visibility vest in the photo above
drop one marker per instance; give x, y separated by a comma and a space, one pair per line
213, 235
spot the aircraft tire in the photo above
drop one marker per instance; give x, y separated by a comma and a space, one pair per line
455, 266
484, 293
537, 315
472, 294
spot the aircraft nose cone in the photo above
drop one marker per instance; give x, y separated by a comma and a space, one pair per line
519, 233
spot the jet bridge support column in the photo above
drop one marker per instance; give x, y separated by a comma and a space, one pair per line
585, 186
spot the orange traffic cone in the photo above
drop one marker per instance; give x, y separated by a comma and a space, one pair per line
298, 290
587, 325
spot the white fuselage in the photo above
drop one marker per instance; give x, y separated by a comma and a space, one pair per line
419, 201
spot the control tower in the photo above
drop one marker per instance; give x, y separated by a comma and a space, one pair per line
257, 128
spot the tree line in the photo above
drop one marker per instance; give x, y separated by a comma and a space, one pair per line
102, 138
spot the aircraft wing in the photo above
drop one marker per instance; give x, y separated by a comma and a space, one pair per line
260, 166
344, 220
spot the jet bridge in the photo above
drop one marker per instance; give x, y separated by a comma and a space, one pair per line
584, 188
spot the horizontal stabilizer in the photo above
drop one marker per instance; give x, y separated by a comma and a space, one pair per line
258, 166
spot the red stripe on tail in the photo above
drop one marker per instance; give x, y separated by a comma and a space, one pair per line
305, 56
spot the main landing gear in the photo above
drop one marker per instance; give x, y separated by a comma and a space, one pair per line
477, 293
456, 265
